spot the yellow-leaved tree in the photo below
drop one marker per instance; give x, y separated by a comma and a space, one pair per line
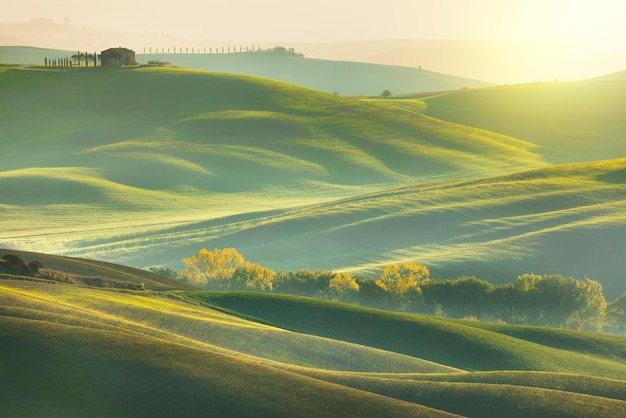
212, 269
402, 283
343, 287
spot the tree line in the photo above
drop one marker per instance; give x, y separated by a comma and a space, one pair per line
223, 50
547, 300
77, 60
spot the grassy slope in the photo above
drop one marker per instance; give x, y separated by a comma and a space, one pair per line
436, 339
486, 399
198, 328
576, 121
149, 149
58, 338
69, 374
88, 352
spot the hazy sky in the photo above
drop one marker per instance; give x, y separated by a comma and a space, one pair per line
593, 23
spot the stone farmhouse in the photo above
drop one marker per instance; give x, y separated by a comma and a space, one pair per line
115, 57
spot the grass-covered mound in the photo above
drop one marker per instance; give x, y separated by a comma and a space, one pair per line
435, 339
575, 121
491, 400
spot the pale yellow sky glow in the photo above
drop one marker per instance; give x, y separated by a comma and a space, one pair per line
598, 23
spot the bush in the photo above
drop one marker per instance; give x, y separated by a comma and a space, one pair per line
12, 264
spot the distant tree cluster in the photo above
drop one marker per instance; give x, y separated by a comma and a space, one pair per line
548, 300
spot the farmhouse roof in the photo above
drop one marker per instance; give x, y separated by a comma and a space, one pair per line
117, 50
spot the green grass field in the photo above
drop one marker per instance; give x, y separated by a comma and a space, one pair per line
80, 351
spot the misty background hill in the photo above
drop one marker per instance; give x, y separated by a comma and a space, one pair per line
497, 62
341, 77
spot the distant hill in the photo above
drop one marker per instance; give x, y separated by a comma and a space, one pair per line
577, 121
500, 62
342, 77
620, 75
30, 55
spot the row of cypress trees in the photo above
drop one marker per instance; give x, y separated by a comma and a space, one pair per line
75, 60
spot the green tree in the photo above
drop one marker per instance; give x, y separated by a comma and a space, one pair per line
304, 282
465, 296
253, 276
553, 300
165, 272
616, 315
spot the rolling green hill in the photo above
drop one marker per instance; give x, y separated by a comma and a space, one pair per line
92, 157
440, 340
576, 121
76, 351
75, 371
